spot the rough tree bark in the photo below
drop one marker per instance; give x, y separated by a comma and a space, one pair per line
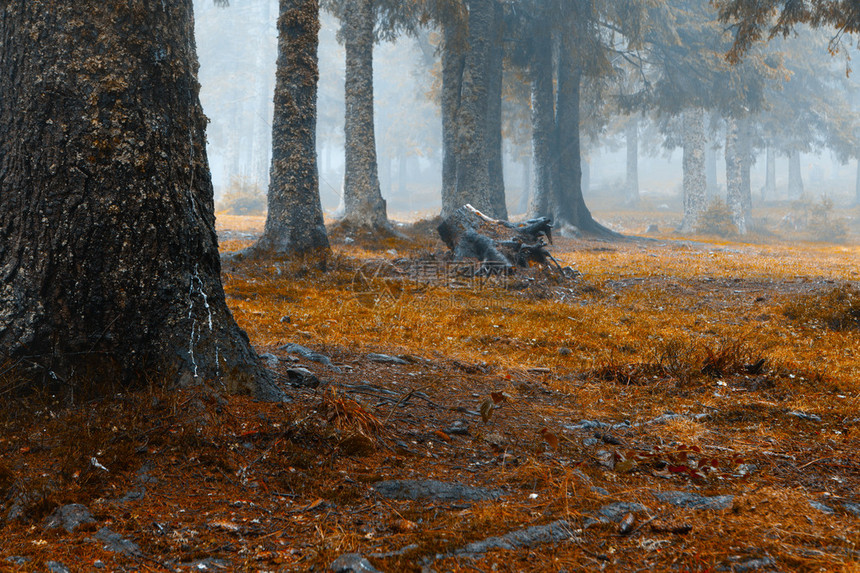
365, 206
632, 183
769, 191
745, 153
734, 176
473, 177
795, 179
453, 61
695, 180
711, 190
543, 127
294, 224
109, 266
495, 57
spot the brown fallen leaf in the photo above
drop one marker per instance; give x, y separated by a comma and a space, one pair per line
486, 410
404, 525
626, 525
549, 438
671, 526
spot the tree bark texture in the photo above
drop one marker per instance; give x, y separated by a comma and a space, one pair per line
453, 61
632, 137
795, 178
473, 176
695, 180
495, 56
294, 224
734, 176
365, 206
109, 264
770, 175
543, 128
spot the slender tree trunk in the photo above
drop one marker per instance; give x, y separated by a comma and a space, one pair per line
746, 158
770, 175
632, 184
365, 206
499, 207
108, 254
695, 179
544, 146
710, 172
452, 81
473, 176
795, 178
294, 224
734, 176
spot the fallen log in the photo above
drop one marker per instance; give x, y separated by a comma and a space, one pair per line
471, 234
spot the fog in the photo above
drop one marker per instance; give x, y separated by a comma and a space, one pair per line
237, 50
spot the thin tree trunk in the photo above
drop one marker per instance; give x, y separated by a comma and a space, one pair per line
294, 224
365, 206
473, 176
770, 175
734, 176
543, 128
695, 179
710, 172
795, 179
632, 183
108, 254
452, 80
745, 153
498, 205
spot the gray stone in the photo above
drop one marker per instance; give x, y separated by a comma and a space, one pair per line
208, 564
458, 427
852, 507
528, 537
695, 501
616, 511
821, 507
352, 563
69, 517
17, 560
805, 416
309, 354
600, 490
271, 360
746, 564
385, 359
57, 567
433, 490
302, 378
116, 543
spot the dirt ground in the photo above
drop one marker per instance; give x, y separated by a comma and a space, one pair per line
670, 404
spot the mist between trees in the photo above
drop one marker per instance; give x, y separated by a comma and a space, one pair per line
665, 122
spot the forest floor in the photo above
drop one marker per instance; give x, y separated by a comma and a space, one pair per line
675, 404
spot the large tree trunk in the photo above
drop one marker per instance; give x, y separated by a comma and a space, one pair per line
746, 157
543, 128
294, 224
632, 183
695, 179
473, 176
365, 206
495, 55
734, 176
711, 190
795, 179
453, 61
770, 175
109, 259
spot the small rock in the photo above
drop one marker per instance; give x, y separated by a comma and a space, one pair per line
16, 560
852, 507
590, 442
600, 490
348, 240
99, 564
57, 567
352, 563
652, 228
302, 378
694, 500
392, 252
459, 427
742, 564
433, 490
821, 507
745, 469
271, 360
616, 511
309, 354
385, 358
69, 517
528, 537
805, 416
286, 319
564, 351
117, 543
